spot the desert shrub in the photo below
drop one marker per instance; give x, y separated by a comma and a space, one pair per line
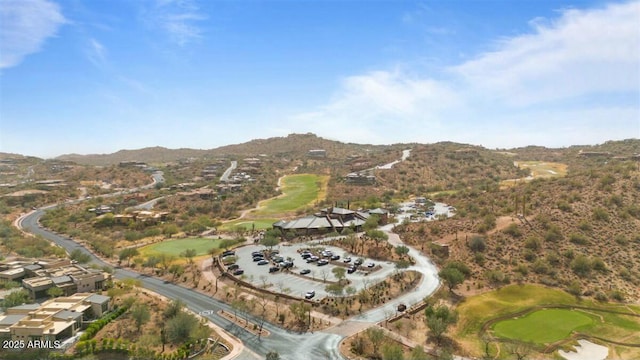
598, 265
513, 230
621, 240
478, 244
585, 226
581, 265
564, 206
600, 296
529, 255
540, 267
553, 234
578, 239
575, 288
532, 243
600, 214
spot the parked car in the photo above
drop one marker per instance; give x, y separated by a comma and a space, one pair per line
238, 272
263, 262
351, 269
228, 253
313, 259
256, 253
346, 260
274, 269
285, 264
358, 262
335, 257
306, 255
233, 267
370, 265
309, 294
258, 258
305, 272
322, 262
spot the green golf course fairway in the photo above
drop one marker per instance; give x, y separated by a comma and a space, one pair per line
176, 247
543, 326
297, 191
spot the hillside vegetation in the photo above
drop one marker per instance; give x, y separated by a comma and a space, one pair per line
580, 232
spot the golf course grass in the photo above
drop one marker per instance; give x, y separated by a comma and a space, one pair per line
176, 247
539, 169
298, 191
249, 224
543, 326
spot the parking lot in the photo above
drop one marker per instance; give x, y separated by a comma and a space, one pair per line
293, 283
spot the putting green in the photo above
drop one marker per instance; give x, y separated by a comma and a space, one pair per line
176, 247
543, 326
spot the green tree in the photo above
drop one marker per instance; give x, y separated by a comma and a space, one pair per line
54, 292
417, 353
392, 352
189, 254
339, 273
273, 355
140, 314
180, 327
439, 319
16, 298
452, 277
377, 235
371, 223
375, 336
80, 256
173, 309
127, 254
270, 241
401, 250
335, 289
169, 230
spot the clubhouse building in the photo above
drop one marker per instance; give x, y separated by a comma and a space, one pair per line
333, 219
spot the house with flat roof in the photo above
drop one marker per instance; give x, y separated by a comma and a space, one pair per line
55, 319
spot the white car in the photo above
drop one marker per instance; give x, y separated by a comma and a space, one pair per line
309, 294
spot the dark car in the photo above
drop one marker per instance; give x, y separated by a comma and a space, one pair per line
238, 272
309, 294
263, 262
306, 255
258, 258
335, 257
228, 253
233, 267
274, 269
351, 270
256, 253
313, 259
305, 272
322, 262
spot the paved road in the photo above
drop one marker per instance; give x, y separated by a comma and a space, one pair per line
225, 175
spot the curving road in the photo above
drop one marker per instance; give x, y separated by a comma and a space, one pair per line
227, 173
290, 345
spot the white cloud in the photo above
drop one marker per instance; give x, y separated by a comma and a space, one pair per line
178, 18
24, 27
583, 52
97, 53
528, 86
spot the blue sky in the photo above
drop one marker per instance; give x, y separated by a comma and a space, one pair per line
98, 76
